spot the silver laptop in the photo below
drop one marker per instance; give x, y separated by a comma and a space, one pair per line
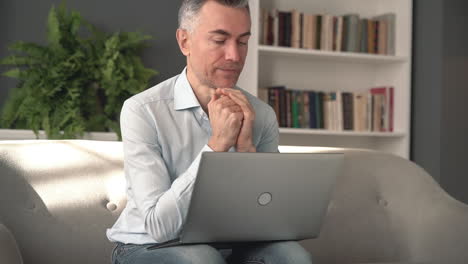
251, 197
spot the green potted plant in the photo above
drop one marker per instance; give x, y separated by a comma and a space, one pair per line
77, 82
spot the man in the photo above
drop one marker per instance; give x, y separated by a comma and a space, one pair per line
166, 128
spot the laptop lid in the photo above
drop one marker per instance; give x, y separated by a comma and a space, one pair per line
241, 197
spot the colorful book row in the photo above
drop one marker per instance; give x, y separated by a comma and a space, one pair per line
371, 110
327, 32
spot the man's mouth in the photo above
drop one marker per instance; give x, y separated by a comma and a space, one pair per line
229, 70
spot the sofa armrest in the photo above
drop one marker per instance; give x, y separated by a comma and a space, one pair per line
9, 252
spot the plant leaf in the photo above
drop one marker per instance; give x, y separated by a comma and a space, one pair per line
13, 73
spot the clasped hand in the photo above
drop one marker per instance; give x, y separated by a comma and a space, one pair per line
232, 118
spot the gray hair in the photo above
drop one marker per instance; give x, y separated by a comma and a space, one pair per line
189, 10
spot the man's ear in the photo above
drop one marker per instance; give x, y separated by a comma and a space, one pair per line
183, 40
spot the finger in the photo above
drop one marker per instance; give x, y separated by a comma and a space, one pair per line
226, 102
242, 102
214, 97
236, 93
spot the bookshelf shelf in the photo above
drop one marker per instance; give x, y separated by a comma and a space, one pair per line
318, 70
307, 131
331, 55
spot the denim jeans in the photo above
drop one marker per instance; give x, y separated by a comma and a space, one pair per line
249, 253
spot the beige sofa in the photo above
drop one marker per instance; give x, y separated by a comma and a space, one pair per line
58, 197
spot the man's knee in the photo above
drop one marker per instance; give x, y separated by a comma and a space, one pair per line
195, 254
285, 252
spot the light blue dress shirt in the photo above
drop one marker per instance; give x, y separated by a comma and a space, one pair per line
164, 132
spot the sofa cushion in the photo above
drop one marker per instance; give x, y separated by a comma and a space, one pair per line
9, 252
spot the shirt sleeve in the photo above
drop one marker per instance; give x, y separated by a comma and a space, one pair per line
270, 136
162, 205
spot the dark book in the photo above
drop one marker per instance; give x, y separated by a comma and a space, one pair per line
364, 45
312, 110
288, 30
376, 37
318, 32
288, 109
281, 26
274, 100
282, 108
319, 109
348, 111
294, 109
300, 108
301, 30
344, 39
270, 34
305, 110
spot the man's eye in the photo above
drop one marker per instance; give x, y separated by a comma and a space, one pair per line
242, 43
219, 42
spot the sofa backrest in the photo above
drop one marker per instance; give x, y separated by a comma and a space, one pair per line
58, 198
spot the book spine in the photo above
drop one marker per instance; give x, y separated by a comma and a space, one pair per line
281, 28
347, 111
312, 110
294, 109
318, 31
391, 109
288, 30
364, 35
288, 109
295, 29
370, 36
274, 13
282, 107
376, 37
305, 112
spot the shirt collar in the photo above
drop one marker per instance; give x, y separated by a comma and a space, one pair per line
184, 97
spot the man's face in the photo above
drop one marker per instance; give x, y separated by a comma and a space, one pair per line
218, 45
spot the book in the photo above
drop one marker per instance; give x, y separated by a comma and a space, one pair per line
326, 37
327, 110
390, 20
295, 109
386, 97
295, 29
282, 107
274, 100
305, 111
275, 28
376, 37
348, 111
391, 114
363, 25
360, 111
288, 29
382, 42
281, 28
339, 34
351, 36
318, 31
380, 112
338, 108
288, 109
312, 109
370, 36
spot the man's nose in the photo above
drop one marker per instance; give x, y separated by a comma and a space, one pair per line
232, 52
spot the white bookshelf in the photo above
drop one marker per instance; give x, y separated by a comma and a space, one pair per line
302, 69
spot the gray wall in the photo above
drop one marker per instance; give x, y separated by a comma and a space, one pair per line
440, 92
26, 20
